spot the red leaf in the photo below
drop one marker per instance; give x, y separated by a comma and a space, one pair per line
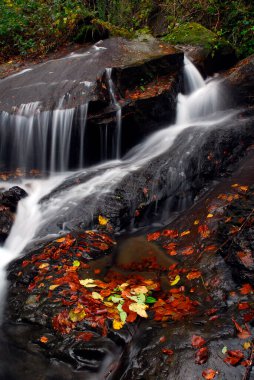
170, 233
246, 289
153, 236
167, 351
234, 357
204, 231
209, 374
197, 341
201, 355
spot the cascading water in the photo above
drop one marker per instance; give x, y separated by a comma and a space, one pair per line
35, 139
31, 214
118, 112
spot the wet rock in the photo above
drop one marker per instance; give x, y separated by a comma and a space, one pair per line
240, 81
8, 205
168, 183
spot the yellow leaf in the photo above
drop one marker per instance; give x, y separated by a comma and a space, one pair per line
139, 308
124, 286
210, 216
185, 233
176, 280
44, 265
52, 287
76, 317
235, 185
76, 263
60, 240
97, 296
88, 283
102, 221
196, 222
246, 345
117, 325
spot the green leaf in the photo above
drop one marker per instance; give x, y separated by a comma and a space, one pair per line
150, 300
224, 350
141, 298
123, 316
76, 263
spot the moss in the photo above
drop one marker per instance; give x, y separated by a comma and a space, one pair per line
113, 30
193, 33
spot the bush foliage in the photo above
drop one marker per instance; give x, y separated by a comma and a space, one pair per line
34, 27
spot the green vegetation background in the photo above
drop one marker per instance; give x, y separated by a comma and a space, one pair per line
34, 27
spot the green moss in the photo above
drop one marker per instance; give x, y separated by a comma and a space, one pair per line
193, 33
113, 30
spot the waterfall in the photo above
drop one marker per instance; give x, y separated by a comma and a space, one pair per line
118, 112
194, 109
34, 139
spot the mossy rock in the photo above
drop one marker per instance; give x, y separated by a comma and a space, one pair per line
211, 53
192, 33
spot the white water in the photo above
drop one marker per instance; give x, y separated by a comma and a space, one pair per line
31, 138
31, 215
118, 112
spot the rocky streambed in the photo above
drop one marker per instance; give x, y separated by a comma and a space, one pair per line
91, 298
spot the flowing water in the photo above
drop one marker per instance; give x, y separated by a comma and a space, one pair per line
196, 108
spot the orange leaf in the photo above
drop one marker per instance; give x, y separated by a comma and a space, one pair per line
187, 251
209, 374
44, 339
153, 236
201, 356
184, 233
193, 275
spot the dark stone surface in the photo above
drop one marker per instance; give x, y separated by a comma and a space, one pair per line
8, 205
240, 80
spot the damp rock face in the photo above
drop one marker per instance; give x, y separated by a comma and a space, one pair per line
8, 205
240, 80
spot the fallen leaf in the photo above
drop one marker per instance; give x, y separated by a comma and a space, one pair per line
184, 233
196, 222
246, 345
201, 356
193, 275
197, 341
204, 231
209, 374
246, 289
88, 283
210, 216
53, 287
76, 263
44, 265
102, 220
44, 339
234, 357
167, 351
153, 236
139, 308
176, 280
224, 350
117, 325
97, 296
